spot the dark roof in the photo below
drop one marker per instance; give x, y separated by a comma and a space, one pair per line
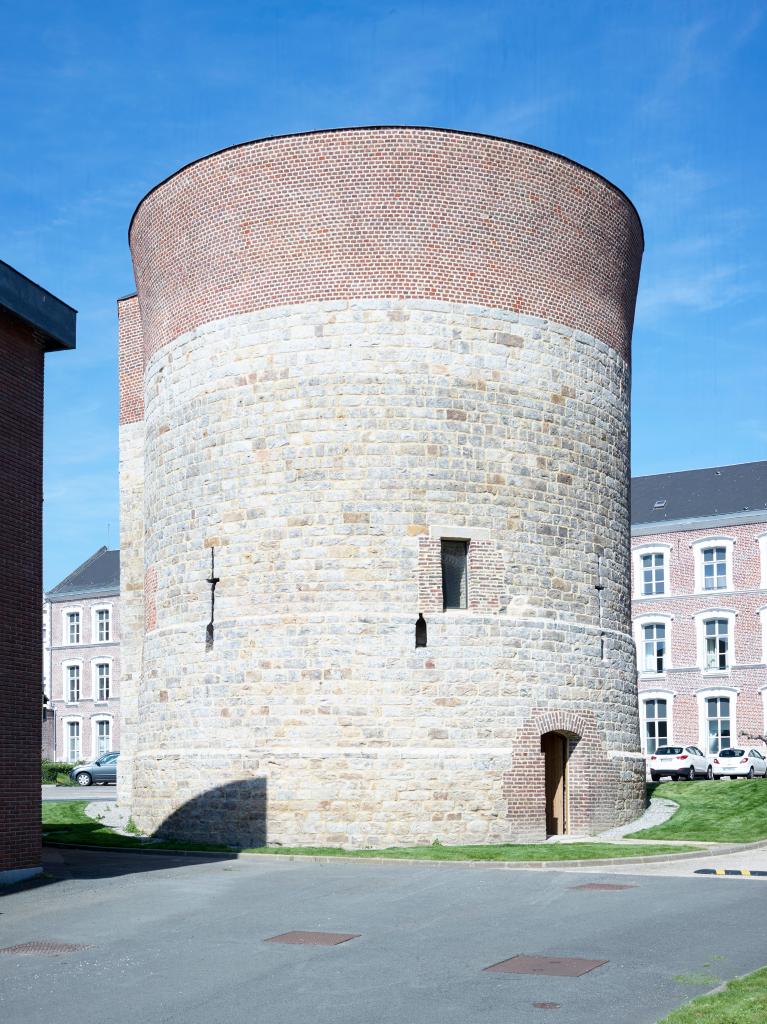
696, 493
99, 574
52, 318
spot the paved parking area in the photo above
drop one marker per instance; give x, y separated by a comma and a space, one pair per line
79, 793
182, 941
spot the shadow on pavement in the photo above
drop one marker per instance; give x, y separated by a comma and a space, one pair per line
233, 816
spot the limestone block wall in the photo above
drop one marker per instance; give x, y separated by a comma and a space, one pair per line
131, 535
323, 446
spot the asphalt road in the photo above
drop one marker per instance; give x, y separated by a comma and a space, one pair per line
181, 941
80, 792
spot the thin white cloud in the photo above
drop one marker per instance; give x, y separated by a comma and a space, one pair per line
702, 49
694, 290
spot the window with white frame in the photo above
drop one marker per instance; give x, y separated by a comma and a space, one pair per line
713, 560
72, 737
652, 636
72, 683
763, 620
653, 574
718, 724
656, 722
72, 627
717, 639
103, 625
102, 736
715, 629
653, 654
651, 570
103, 680
714, 568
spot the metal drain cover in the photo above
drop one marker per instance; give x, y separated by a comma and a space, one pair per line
547, 1006
561, 966
312, 938
44, 948
604, 886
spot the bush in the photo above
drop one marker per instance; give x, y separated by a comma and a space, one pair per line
52, 769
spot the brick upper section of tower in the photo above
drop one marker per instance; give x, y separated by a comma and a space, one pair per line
386, 213
131, 360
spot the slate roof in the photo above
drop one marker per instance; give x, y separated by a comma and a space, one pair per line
697, 493
98, 575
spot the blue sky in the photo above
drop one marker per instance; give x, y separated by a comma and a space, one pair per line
100, 101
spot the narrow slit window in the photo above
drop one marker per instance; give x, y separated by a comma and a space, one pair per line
455, 574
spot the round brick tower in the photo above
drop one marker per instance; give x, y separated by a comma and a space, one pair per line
379, 372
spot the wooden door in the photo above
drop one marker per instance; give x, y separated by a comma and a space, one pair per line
554, 749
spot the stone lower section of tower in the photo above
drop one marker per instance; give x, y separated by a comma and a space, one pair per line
324, 450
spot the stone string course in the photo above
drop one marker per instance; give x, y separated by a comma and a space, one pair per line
314, 446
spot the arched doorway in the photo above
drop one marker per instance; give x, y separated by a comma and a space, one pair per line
554, 747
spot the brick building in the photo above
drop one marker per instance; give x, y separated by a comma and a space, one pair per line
32, 322
699, 572
380, 373
83, 659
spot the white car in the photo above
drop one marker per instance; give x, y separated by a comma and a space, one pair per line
680, 763
743, 762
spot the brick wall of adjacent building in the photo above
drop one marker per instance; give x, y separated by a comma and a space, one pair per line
745, 597
21, 462
87, 654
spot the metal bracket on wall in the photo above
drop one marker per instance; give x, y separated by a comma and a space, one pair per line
212, 580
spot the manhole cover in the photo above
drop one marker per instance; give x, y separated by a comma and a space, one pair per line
603, 886
44, 948
562, 966
312, 938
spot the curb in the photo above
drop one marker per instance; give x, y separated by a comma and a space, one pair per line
305, 858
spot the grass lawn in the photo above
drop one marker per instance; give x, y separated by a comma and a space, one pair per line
67, 822
507, 851
734, 811
744, 1001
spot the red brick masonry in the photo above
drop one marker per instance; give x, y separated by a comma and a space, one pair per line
131, 360
386, 213
747, 675
21, 479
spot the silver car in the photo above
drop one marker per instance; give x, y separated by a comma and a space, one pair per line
102, 771
739, 762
